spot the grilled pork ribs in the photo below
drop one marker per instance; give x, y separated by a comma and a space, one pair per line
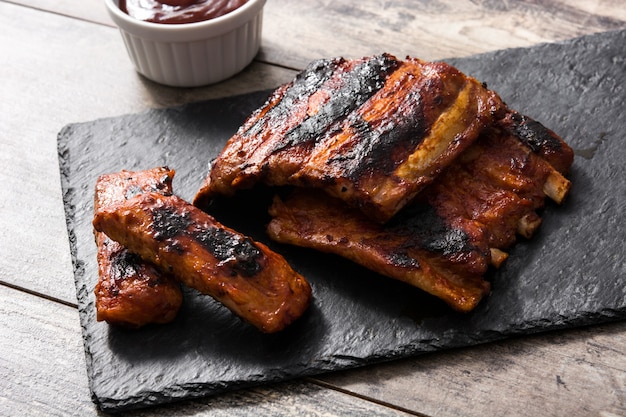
247, 277
409, 168
132, 292
372, 132
445, 239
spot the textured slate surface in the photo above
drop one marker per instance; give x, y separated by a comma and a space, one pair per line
572, 273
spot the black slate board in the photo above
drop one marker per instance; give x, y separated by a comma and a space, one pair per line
572, 273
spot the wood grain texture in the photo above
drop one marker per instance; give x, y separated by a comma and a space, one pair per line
42, 369
295, 32
42, 364
429, 30
556, 374
89, 10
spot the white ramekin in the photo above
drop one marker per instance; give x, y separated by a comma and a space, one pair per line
192, 54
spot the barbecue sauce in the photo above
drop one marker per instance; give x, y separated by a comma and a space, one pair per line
178, 11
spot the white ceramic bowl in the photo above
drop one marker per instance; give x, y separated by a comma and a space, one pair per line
192, 54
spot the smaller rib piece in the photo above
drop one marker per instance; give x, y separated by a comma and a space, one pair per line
417, 246
247, 277
130, 291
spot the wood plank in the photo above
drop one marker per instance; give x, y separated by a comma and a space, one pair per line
49, 93
296, 32
429, 30
90, 10
570, 373
42, 373
42, 362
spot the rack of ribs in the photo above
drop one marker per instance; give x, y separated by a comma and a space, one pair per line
409, 168
373, 132
444, 241
130, 291
247, 277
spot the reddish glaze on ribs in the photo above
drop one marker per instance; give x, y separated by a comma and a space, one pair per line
416, 246
501, 183
254, 282
444, 241
372, 132
541, 140
130, 291
409, 168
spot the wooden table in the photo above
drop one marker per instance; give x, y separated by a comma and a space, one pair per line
64, 62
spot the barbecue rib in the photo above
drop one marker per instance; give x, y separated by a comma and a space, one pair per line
416, 246
254, 282
443, 241
373, 132
129, 291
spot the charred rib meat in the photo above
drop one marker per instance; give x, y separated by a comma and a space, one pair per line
130, 291
416, 246
254, 282
372, 132
443, 241
541, 140
409, 168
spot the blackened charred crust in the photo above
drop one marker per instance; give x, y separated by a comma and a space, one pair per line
231, 249
168, 223
533, 134
238, 251
247, 277
541, 140
356, 86
381, 149
426, 229
124, 264
307, 82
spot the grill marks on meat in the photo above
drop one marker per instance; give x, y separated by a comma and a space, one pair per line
444, 241
543, 141
372, 132
254, 282
130, 291
408, 168
415, 247
294, 115
500, 183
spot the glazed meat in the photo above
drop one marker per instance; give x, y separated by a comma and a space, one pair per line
501, 183
416, 246
372, 132
541, 140
130, 291
444, 241
254, 282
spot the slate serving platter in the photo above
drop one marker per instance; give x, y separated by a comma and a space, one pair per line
571, 273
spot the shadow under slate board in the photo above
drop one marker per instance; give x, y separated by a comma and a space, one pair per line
571, 273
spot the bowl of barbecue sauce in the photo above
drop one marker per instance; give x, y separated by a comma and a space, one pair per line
189, 43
